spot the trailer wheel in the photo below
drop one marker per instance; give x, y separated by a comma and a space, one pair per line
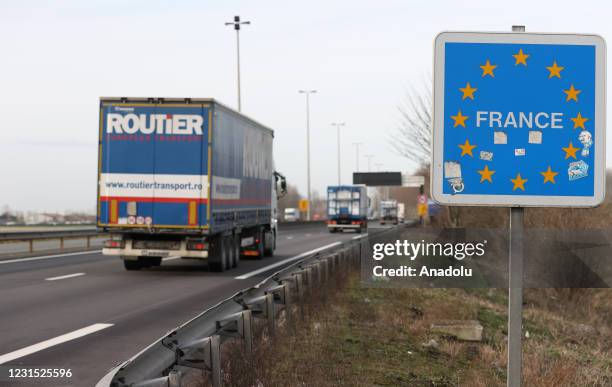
269, 242
217, 261
261, 245
236, 246
231, 254
131, 265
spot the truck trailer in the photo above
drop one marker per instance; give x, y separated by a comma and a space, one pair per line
187, 178
347, 208
388, 212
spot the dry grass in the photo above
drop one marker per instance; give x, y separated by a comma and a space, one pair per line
374, 337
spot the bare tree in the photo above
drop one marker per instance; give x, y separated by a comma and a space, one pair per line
412, 138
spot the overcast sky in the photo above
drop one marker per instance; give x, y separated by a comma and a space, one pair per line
58, 57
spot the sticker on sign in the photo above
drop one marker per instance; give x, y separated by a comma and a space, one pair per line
519, 119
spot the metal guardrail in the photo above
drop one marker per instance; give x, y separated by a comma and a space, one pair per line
90, 232
62, 235
197, 343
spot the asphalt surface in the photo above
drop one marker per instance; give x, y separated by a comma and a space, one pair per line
45, 299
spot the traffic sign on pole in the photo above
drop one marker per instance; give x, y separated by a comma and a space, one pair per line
519, 119
303, 205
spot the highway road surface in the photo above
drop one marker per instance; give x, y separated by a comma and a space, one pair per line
84, 312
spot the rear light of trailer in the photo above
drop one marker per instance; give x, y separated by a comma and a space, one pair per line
114, 244
197, 245
250, 253
356, 222
331, 222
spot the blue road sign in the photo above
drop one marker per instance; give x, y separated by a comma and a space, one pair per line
519, 119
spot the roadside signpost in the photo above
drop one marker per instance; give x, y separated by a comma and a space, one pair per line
303, 205
519, 120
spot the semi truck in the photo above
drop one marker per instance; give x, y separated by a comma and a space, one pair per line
188, 178
347, 208
388, 212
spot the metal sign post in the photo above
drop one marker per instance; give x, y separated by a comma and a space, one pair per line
515, 298
515, 291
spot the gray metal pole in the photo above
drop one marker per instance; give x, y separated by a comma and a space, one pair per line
308, 153
515, 298
338, 132
515, 290
238, 67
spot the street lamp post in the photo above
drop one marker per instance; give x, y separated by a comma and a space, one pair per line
308, 92
338, 125
357, 145
237, 23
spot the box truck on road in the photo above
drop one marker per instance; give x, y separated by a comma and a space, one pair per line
388, 212
185, 178
347, 208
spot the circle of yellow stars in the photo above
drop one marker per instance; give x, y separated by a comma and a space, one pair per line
571, 94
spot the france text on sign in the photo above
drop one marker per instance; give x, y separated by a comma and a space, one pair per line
519, 119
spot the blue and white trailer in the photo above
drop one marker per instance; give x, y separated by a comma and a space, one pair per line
347, 208
185, 177
389, 212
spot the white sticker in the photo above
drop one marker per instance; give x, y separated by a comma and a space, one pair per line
148, 220
122, 221
452, 169
535, 137
140, 220
487, 156
519, 152
500, 138
131, 219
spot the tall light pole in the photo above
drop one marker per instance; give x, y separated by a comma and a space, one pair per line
338, 125
369, 157
308, 92
357, 145
237, 23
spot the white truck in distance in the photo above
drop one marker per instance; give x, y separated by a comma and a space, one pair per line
388, 212
291, 215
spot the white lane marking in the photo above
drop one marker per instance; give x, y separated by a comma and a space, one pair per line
52, 342
308, 235
360, 236
170, 258
61, 277
284, 261
289, 237
48, 257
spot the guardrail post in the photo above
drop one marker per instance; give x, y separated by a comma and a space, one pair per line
309, 279
212, 359
247, 330
174, 378
31, 241
61, 243
299, 292
286, 283
269, 311
238, 325
88, 241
